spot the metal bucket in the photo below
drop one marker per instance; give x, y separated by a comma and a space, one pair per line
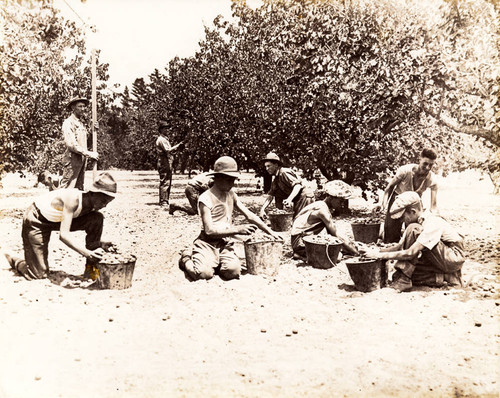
367, 274
281, 222
263, 257
365, 232
321, 255
116, 276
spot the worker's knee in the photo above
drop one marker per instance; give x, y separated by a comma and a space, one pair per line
206, 273
96, 218
230, 269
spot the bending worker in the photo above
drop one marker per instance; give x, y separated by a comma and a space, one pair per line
66, 210
410, 177
195, 187
430, 252
317, 216
286, 188
75, 138
213, 250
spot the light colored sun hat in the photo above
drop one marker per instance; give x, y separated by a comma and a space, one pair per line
104, 183
271, 156
339, 189
77, 99
403, 201
226, 165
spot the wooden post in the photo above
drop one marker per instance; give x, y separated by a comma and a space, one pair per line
94, 108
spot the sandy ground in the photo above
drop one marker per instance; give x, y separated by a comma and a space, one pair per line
303, 333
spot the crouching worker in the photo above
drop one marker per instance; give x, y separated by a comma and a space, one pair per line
430, 251
212, 252
66, 210
195, 187
315, 217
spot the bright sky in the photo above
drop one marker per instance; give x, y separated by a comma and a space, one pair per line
137, 36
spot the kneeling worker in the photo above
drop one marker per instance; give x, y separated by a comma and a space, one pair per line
430, 252
212, 250
317, 216
66, 210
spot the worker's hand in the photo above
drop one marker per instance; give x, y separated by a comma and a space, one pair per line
96, 125
369, 251
93, 155
108, 246
246, 229
95, 255
263, 215
377, 209
287, 203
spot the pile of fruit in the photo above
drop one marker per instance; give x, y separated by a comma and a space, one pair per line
260, 236
115, 256
323, 239
279, 211
369, 220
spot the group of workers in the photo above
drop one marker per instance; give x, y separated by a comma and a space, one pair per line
427, 251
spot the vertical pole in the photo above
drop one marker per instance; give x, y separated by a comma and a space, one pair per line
94, 108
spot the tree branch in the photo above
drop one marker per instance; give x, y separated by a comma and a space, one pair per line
488, 135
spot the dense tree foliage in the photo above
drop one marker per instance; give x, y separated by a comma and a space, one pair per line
43, 63
354, 88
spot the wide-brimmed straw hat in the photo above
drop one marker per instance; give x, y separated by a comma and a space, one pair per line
402, 201
104, 183
271, 156
77, 99
339, 189
226, 165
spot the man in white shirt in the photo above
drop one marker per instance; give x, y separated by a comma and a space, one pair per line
75, 138
430, 251
165, 161
65, 210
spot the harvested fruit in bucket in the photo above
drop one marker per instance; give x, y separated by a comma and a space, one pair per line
279, 211
324, 239
116, 256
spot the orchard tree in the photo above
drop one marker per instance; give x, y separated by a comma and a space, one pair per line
43, 64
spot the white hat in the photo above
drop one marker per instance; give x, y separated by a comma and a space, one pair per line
403, 201
339, 189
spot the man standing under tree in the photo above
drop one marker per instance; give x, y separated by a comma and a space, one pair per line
165, 161
410, 177
75, 138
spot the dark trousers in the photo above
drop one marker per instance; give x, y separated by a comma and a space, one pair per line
74, 166
165, 183
444, 258
36, 236
392, 228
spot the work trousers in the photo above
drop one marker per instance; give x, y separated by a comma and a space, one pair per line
213, 256
36, 233
74, 166
392, 227
165, 172
444, 260
298, 245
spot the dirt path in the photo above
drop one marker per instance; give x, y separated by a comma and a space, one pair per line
305, 332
